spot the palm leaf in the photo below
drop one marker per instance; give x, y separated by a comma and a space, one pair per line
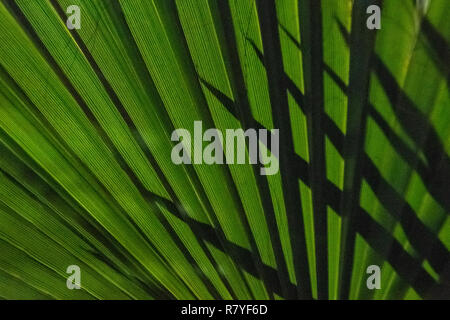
86, 176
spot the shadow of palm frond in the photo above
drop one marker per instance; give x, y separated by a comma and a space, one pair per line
423, 240
418, 233
438, 48
374, 234
436, 173
291, 198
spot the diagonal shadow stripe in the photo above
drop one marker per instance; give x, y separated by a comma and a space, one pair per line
414, 228
374, 234
436, 175
438, 47
247, 121
268, 24
422, 239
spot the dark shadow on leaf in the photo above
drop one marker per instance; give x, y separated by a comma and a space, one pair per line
375, 235
438, 48
243, 114
436, 173
424, 241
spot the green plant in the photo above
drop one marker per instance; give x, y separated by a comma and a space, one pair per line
86, 176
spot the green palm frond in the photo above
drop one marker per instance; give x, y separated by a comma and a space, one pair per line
87, 179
